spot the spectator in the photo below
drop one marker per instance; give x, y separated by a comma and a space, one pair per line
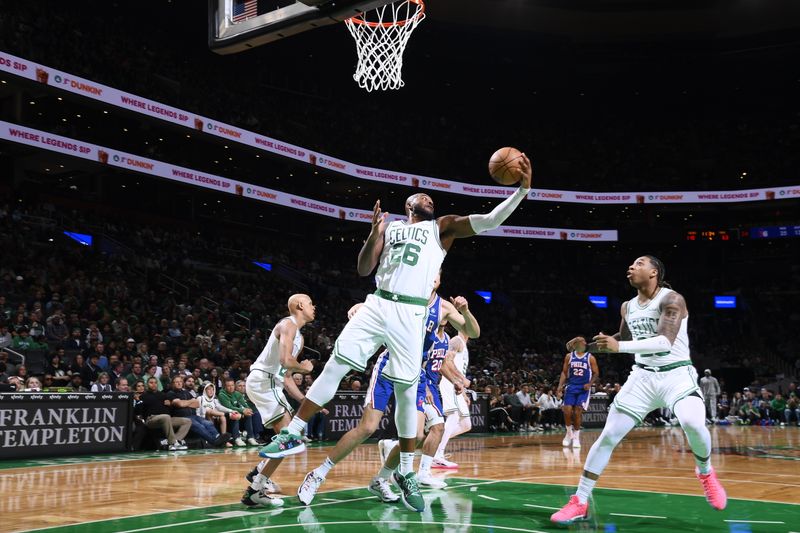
723, 406
102, 384
258, 426
57, 331
792, 410
499, 420
156, 414
5, 337
777, 408
33, 384
235, 401
211, 409
549, 406
528, 408
513, 405
184, 406
76, 382
74, 342
355, 385
765, 406
91, 370
749, 413
129, 350
710, 387
136, 373
57, 370
122, 385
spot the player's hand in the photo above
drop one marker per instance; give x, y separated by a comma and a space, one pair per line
378, 219
460, 303
606, 343
559, 393
325, 412
306, 367
525, 172
458, 387
587, 386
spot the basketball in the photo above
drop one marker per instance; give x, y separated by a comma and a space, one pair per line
503, 165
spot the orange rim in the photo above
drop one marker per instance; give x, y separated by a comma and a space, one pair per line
359, 19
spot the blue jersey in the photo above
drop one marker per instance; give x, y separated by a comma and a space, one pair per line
432, 324
436, 354
580, 371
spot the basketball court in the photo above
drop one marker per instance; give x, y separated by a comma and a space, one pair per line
505, 483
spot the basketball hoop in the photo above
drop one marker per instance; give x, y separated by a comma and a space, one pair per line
381, 36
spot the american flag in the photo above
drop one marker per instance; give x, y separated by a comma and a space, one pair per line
244, 9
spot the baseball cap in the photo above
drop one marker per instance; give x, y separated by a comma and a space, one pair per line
131, 340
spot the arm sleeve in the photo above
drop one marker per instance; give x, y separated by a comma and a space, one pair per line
652, 345
499, 214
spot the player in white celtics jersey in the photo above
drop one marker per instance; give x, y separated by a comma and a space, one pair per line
407, 255
653, 328
456, 404
265, 386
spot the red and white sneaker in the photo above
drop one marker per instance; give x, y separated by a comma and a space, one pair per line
715, 494
442, 463
572, 512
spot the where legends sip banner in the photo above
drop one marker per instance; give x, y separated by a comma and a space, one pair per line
52, 424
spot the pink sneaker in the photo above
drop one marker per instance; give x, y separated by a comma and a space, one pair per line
573, 511
715, 494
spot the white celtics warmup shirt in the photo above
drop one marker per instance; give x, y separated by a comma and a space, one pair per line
643, 323
410, 260
270, 358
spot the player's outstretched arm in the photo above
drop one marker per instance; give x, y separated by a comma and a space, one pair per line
453, 227
371, 251
457, 312
673, 310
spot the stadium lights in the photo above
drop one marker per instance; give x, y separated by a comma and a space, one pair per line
486, 295
725, 302
82, 238
601, 302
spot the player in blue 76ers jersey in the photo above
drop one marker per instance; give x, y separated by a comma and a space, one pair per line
577, 377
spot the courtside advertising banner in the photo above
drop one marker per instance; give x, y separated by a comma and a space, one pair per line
135, 163
137, 104
44, 424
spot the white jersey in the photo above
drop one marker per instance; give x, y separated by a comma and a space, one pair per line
410, 260
461, 360
643, 324
270, 358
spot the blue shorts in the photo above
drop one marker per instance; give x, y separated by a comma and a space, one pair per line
380, 389
577, 397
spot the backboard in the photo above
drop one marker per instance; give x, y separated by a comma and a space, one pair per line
238, 25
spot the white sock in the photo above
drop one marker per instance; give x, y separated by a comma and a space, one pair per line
296, 426
425, 464
323, 469
576, 435
585, 487
406, 463
569, 431
385, 473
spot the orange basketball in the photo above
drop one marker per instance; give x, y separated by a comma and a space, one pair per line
503, 165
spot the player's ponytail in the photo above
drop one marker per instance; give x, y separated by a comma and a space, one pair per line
662, 270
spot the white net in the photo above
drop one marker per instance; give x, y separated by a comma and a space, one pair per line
381, 36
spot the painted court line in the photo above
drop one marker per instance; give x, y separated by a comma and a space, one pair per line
541, 507
638, 515
230, 514
753, 522
204, 520
485, 497
398, 522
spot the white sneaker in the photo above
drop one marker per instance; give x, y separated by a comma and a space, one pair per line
174, 447
576, 443
427, 480
385, 448
239, 442
309, 487
252, 442
381, 488
182, 445
164, 444
567, 441
271, 487
442, 463
253, 498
